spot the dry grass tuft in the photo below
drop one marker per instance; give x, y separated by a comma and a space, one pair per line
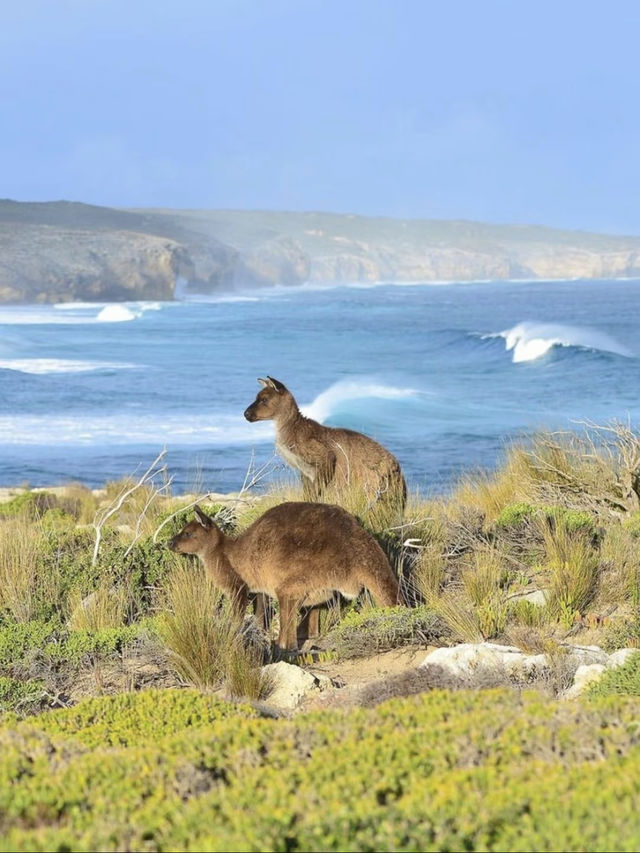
103, 608
572, 564
205, 638
458, 613
490, 493
20, 547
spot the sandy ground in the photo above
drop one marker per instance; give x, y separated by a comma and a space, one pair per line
350, 677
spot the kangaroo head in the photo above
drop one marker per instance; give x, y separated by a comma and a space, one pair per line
196, 536
273, 399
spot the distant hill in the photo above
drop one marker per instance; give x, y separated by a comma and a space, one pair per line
61, 251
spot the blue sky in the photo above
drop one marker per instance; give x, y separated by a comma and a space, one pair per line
499, 111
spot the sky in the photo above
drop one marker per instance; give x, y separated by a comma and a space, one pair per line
512, 111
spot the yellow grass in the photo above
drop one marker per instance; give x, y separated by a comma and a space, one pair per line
20, 545
103, 608
205, 637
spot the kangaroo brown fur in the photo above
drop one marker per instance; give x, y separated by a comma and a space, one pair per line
297, 552
327, 456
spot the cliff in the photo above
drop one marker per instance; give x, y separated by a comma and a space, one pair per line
61, 251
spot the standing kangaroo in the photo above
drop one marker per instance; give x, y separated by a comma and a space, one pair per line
298, 552
330, 460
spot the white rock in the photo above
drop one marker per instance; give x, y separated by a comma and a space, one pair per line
588, 654
620, 656
586, 675
536, 596
290, 684
469, 658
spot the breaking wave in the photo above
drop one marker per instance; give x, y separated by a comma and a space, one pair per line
530, 340
338, 397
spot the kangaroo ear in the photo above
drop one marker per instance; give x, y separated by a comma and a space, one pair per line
202, 517
277, 386
263, 382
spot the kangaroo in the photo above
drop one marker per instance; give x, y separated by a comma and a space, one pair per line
297, 552
328, 456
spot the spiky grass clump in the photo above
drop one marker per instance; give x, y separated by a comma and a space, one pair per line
572, 564
204, 636
101, 609
20, 553
490, 493
459, 615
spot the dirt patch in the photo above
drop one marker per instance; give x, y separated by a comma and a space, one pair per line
351, 677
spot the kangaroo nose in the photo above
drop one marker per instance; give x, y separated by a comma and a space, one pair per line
171, 544
248, 414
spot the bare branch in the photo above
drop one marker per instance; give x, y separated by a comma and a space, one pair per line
103, 515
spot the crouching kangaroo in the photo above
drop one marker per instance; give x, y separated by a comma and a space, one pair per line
328, 456
298, 553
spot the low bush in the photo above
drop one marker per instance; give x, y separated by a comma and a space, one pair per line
623, 679
492, 771
373, 630
20, 696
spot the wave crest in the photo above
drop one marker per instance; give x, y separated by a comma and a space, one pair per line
530, 340
333, 400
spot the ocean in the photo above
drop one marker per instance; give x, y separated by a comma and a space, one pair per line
444, 375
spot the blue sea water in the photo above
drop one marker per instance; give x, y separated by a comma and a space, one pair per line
443, 375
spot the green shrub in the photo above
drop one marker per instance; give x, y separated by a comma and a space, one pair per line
32, 505
623, 679
632, 524
167, 771
623, 633
67, 556
18, 696
514, 514
369, 631
573, 521
18, 639
131, 719
59, 645
76, 646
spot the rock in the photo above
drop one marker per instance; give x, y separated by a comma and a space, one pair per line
586, 655
620, 657
585, 676
537, 596
469, 658
291, 684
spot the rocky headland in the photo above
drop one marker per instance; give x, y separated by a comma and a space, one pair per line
64, 251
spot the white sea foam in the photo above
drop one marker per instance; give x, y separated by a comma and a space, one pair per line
129, 428
59, 365
341, 393
530, 340
116, 314
76, 313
